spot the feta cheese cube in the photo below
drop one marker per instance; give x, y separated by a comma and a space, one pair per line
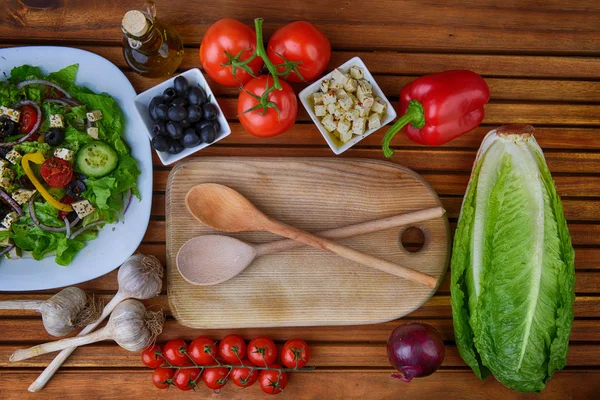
10, 218
331, 107
344, 131
351, 85
6, 177
352, 115
356, 72
368, 101
374, 121
13, 156
57, 121
329, 98
11, 113
328, 123
358, 126
362, 110
92, 131
65, 154
93, 116
364, 89
379, 105
22, 196
325, 85
338, 114
82, 208
339, 77
320, 110
318, 98
346, 103
341, 93
3, 164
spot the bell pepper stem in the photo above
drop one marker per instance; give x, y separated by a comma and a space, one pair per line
414, 115
260, 51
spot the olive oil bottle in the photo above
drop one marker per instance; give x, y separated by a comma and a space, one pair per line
151, 47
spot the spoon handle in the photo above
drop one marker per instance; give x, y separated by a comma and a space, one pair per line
356, 229
309, 239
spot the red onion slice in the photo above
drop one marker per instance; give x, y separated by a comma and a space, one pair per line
38, 223
35, 127
6, 250
67, 226
12, 203
21, 85
85, 228
129, 198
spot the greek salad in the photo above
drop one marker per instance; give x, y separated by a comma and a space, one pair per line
65, 170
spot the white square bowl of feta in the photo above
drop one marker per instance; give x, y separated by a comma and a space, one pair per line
194, 78
347, 105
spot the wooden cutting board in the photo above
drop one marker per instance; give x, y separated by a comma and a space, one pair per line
305, 286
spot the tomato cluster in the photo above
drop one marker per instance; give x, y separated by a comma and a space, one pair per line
177, 363
232, 54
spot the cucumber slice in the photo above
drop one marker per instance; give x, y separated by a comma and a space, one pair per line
96, 159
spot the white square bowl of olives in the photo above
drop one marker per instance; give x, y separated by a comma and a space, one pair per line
181, 116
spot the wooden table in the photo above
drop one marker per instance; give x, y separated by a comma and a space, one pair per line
541, 61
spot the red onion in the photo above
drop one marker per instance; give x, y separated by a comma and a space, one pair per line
129, 198
6, 250
85, 228
35, 127
21, 85
416, 350
12, 203
37, 223
67, 226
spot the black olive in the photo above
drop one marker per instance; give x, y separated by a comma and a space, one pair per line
169, 94
8, 127
202, 124
190, 138
185, 124
75, 188
194, 113
159, 128
197, 96
175, 147
152, 107
209, 111
208, 134
177, 113
162, 112
54, 136
174, 129
160, 143
217, 126
181, 85
179, 101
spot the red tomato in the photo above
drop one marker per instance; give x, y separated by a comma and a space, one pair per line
162, 377
203, 350
151, 357
262, 351
272, 382
187, 379
175, 352
56, 172
228, 36
295, 353
215, 378
232, 348
28, 119
65, 200
271, 123
244, 377
302, 42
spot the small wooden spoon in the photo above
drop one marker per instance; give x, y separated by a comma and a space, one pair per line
222, 208
212, 259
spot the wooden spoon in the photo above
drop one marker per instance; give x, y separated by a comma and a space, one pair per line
222, 208
212, 259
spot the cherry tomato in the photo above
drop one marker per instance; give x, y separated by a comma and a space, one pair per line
203, 350
244, 377
163, 377
228, 36
302, 42
65, 200
175, 352
215, 378
28, 119
262, 351
232, 348
295, 353
272, 382
272, 123
187, 379
151, 357
56, 172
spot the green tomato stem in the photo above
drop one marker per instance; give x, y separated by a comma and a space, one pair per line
260, 51
414, 115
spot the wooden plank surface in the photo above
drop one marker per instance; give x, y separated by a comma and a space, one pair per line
542, 63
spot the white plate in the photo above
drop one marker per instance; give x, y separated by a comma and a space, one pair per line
115, 242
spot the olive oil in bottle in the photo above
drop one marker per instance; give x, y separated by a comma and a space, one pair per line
151, 47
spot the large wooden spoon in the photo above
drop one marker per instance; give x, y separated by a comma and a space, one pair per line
212, 259
222, 208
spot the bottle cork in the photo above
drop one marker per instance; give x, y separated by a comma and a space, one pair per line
135, 23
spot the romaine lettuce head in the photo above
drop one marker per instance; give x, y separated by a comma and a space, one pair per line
512, 269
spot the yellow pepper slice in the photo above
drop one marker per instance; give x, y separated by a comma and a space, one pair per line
38, 158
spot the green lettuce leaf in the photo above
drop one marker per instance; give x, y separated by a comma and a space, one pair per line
65, 76
25, 72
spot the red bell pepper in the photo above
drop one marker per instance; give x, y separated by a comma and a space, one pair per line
440, 107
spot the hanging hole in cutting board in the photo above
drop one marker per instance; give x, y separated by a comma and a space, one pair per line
413, 239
